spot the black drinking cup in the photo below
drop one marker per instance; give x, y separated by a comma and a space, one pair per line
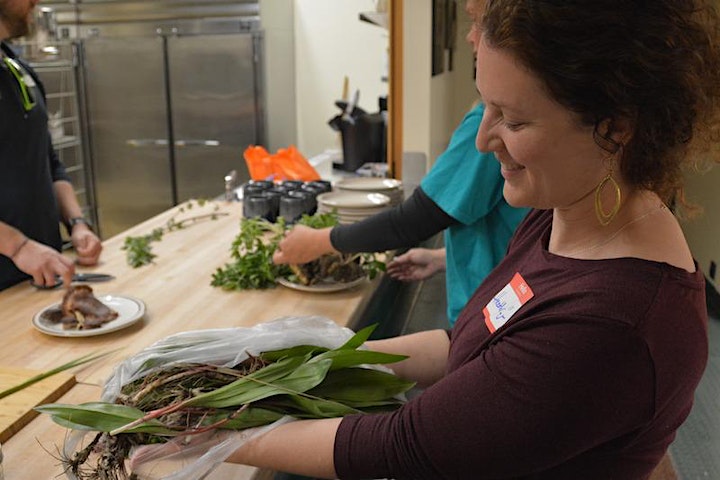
258, 206
253, 188
292, 207
292, 184
274, 197
309, 200
323, 185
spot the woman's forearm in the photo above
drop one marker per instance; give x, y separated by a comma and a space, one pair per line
303, 447
427, 352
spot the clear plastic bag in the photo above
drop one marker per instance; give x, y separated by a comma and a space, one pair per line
193, 458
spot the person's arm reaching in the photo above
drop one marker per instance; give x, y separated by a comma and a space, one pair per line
312, 442
416, 219
87, 245
34, 258
417, 264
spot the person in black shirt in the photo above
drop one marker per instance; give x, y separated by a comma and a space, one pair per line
35, 191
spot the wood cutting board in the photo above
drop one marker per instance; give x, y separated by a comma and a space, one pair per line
16, 410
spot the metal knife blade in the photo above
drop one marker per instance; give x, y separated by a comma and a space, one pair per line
92, 277
78, 277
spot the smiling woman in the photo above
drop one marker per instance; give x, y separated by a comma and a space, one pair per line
552, 338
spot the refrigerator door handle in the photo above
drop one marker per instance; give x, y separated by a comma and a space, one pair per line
147, 142
197, 143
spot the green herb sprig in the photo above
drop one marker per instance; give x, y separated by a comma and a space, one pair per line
251, 251
139, 249
253, 248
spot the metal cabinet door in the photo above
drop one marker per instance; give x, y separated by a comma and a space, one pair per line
213, 109
126, 99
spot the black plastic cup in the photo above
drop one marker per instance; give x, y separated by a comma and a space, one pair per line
262, 183
274, 197
258, 206
292, 184
292, 207
254, 188
323, 185
281, 189
309, 200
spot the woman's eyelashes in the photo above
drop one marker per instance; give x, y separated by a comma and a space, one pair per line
513, 126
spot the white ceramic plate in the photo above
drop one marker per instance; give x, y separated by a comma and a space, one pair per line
129, 309
323, 287
352, 213
353, 199
368, 184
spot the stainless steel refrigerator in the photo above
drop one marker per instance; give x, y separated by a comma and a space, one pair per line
171, 105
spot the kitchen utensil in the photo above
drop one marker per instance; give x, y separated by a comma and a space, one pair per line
78, 277
347, 115
345, 88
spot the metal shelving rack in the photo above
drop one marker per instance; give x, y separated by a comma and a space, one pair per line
58, 69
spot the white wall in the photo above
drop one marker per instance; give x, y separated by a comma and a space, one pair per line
416, 75
433, 105
464, 91
330, 43
703, 233
277, 20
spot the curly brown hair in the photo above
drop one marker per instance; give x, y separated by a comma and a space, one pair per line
656, 62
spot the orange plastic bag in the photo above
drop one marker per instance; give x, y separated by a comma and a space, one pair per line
259, 162
285, 164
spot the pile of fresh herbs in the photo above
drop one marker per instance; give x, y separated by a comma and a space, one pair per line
139, 249
253, 248
304, 381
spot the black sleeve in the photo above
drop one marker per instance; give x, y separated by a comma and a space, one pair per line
416, 219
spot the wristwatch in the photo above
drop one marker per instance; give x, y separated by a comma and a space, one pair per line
75, 220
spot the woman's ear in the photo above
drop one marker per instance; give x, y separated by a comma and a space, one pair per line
612, 133
623, 128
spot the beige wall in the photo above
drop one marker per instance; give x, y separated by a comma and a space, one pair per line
311, 45
328, 42
433, 105
277, 19
331, 43
703, 233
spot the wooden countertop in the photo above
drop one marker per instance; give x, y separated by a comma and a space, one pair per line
178, 297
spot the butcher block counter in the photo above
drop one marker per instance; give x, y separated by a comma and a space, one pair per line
178, 297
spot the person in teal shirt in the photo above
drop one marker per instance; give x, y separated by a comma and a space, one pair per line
462, 195
467, 185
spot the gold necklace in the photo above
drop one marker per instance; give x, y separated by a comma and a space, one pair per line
619, 230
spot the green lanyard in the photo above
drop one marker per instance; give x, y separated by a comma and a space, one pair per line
16, 70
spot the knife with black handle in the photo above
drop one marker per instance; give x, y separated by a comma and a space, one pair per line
78, 277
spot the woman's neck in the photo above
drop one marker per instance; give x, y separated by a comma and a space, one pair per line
577, 232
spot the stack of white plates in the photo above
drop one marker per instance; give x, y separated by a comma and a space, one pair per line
352, 207
386, 186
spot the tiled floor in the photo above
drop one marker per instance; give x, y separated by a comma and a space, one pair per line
696, 449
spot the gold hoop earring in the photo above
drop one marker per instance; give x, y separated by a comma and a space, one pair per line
606, 218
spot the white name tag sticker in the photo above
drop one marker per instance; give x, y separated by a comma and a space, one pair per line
506, 302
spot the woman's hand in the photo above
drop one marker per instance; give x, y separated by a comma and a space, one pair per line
303, 244
417, 264
87, 245
44, 263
